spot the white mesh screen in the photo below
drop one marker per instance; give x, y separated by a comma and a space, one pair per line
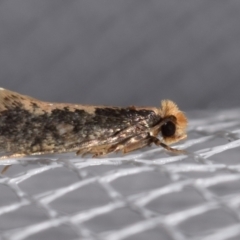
149, 194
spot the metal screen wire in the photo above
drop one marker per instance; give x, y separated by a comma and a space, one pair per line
148, 194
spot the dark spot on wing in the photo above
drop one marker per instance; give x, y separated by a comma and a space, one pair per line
34, 105
26, 130
6, 99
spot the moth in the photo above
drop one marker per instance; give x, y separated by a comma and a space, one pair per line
29, 127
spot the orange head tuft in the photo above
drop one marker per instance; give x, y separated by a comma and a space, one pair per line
173, 129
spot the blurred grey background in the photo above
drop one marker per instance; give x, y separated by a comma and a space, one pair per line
132, 52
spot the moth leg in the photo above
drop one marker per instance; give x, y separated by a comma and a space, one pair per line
132, 143
95, 148
5, 168
109, 146
104, 149
86, 147
159, 143
129, 144
113, 143
105, 146
100, 150
136, 145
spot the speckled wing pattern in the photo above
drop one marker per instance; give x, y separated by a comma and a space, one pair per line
30, 126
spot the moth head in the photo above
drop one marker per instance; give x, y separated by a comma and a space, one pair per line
174, 124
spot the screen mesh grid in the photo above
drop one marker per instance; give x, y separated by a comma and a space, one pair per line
148, 194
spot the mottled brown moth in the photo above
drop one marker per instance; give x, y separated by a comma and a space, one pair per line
29, 126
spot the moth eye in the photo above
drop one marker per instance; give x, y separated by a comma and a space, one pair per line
168, 129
